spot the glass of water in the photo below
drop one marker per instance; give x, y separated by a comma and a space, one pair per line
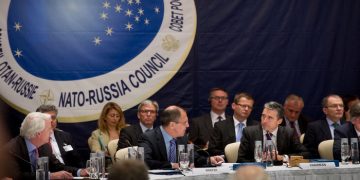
258, 151
184, 161
345, 151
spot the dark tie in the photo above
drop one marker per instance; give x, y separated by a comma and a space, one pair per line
292, 125
147, 130
268, 136
172, 151
219, 118
335, 125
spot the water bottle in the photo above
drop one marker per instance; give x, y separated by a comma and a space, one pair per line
354, 151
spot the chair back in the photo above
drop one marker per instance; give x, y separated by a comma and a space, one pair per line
326, 149
231, 152
123, 153
302, 138
112, 146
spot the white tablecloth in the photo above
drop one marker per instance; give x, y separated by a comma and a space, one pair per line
344, 172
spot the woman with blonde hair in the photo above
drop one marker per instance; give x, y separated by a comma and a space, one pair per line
111, 121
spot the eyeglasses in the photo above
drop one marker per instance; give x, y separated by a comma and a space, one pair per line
148, 111
53, 117
244, 106
217, 98
334, 106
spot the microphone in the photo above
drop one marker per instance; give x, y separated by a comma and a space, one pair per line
276, 162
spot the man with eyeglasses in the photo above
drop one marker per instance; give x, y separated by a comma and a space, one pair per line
60, 142
202, 127
293, 116
230, 130
147, 113
321, 130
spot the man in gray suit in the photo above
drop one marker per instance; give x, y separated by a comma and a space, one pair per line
282, 137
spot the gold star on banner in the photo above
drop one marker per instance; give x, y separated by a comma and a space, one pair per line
17, 26
18, 53
97, 40
128, 12
104, 16
118, 8
157, 10
106, 5
109, 31
128, 26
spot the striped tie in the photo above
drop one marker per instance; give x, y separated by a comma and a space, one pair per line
172, 151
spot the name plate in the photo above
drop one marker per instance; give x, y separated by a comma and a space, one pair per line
317, 165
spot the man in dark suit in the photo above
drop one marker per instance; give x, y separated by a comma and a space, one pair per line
283, 137
202, 127
60, 142
347, 130
293, 117
160, 144
230, 130
23, 150
322, 130
147, 113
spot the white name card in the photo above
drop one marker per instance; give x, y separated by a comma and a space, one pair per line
317, 165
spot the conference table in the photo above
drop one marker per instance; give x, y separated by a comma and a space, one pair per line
223, 172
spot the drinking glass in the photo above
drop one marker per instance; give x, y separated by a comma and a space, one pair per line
42, 168
184, 161
88, 167
94, 168
345, 151
140, 153
354, 150
190, 151
268, 153
258, 151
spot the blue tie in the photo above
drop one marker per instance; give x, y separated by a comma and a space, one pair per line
239, 131
172, 151
33, 158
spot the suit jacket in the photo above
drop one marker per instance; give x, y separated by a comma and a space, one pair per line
201, 129
346, 130
98, 141
155, 150
317, 132
18, 162
70, 157
303, 123
224, 134
286, 143
130, 134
